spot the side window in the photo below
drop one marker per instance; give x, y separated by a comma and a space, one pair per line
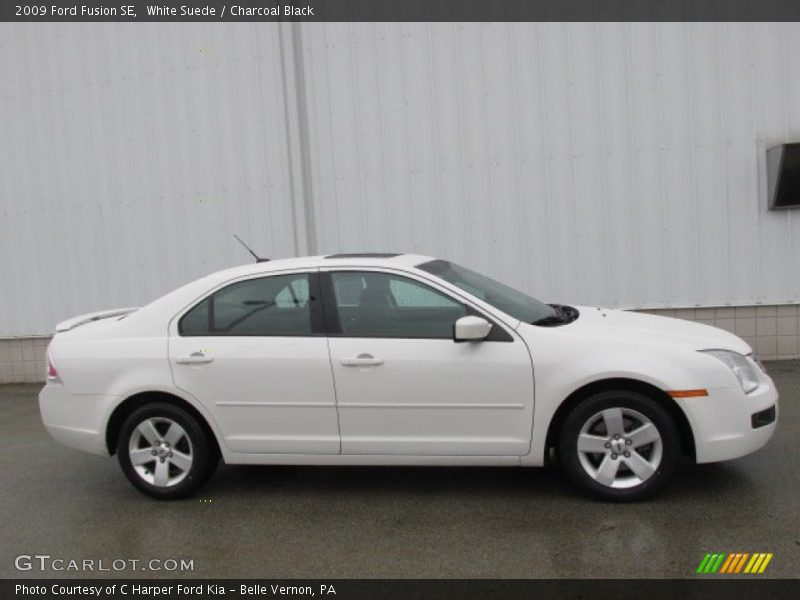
410, 293
268, 306
195, 322
348, 288
294, 294
383, 305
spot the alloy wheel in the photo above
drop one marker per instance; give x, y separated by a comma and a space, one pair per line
160, 452
620, 447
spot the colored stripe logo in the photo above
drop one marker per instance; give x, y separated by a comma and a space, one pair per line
735, 563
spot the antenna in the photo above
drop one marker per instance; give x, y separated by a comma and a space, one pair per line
250, 250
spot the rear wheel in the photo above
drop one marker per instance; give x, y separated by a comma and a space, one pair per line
164, 451
619, 446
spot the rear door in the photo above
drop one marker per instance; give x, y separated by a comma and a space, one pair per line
255, 354
405, 387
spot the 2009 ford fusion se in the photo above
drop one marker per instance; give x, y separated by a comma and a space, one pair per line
398, 359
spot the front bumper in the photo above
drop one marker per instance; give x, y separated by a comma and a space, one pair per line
75, 420
723, 423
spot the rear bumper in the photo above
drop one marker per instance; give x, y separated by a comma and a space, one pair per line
723, 423
77, 421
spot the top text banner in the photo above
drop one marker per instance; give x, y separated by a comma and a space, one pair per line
400, 10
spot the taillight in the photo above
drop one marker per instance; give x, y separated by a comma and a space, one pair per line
52, 372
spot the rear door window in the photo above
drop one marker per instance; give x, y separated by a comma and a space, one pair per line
278, 305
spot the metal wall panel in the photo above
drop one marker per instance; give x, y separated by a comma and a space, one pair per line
130, 154
617, 164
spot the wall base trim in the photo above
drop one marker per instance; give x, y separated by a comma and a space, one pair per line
773, 331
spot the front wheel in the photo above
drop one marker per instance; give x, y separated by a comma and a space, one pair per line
620, 446
164, 452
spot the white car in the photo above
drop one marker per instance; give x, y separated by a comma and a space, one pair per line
398, 359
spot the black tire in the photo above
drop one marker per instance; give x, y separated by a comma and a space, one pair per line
194, 442
664, 452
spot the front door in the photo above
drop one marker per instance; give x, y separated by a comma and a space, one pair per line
404, 387
255, 354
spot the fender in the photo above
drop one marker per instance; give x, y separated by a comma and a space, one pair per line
170, 391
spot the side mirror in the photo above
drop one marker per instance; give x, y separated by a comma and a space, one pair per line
471, 329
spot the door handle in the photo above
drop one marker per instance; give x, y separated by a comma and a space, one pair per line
362, 360
195, 358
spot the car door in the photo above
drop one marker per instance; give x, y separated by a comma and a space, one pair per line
405, 387
255, 354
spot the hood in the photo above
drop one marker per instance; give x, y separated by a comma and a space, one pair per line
644, 329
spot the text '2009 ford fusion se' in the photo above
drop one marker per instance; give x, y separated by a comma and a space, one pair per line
398, 359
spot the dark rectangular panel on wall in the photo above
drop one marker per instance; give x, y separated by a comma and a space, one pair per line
783, 174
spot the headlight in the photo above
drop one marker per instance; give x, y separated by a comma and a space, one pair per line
741, 367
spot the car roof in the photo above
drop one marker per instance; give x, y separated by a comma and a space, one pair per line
363, 255
350, 259
149, 319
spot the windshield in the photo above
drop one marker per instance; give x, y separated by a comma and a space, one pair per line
510, 301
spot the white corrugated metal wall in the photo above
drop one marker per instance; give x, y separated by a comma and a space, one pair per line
130, 153
620, 164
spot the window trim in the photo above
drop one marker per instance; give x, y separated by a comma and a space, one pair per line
333, 324
314, 300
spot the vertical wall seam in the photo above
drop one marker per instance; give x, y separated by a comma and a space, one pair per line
305, 143
787, 136
299, 149
601, 99
724, 155
333, 154
288, 118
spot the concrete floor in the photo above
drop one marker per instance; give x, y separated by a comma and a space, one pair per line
396, 522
